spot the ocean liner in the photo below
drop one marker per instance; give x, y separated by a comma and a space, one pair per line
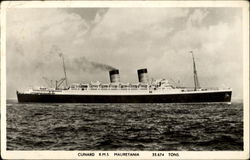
145, 91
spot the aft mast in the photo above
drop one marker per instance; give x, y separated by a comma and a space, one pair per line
196, 81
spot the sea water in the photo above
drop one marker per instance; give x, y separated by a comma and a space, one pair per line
154, 127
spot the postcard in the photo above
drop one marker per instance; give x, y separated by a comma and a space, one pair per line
125, 80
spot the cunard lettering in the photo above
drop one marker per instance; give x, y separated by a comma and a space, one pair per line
86, 154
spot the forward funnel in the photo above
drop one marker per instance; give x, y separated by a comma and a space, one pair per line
142, 75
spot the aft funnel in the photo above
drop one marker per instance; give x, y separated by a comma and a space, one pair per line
114, 76
142, 75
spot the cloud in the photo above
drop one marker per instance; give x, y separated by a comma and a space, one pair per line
32, 33
196, 18
130, 20
218, 51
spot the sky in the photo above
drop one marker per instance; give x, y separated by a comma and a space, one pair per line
95, 40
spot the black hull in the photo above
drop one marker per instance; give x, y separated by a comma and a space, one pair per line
208, 97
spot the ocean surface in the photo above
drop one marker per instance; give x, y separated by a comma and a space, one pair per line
155, 127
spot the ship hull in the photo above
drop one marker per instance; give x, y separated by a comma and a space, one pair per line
206, 97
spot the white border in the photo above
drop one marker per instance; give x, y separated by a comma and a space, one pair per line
143, 154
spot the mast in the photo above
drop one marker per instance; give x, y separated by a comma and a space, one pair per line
196, 81
64, 69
